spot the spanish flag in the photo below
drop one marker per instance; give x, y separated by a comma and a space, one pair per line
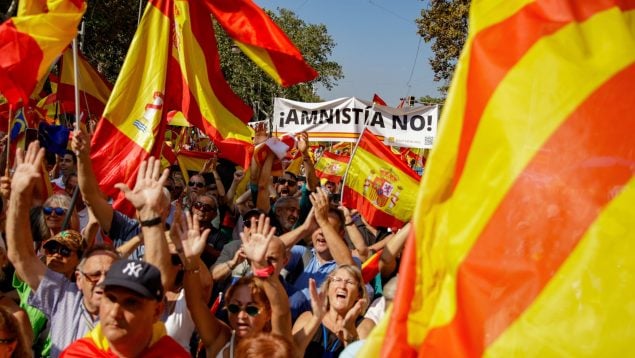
332, 167
262, 40
94, 89
32, 41
172, 65
378, 184
523, 231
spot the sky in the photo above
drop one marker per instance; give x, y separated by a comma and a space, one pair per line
376, 44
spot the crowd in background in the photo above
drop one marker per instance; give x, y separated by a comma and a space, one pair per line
201, 269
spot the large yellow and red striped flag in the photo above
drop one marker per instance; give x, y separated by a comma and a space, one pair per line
172, 65
378, 184
94, 89
523, 232
262, 40
32, 41
332, 167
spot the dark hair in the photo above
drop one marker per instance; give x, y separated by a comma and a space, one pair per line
72, 154
265, 345
9, 324
340, 216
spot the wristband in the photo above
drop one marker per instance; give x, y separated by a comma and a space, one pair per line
152, 222
350, 223
264, 272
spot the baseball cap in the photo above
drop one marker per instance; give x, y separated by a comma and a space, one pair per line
69, 238
137, 276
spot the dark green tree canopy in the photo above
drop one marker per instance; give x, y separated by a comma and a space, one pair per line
444, 23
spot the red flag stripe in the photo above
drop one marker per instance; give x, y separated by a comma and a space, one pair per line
356, 200
536, 20
523, 270
373, 145
18, 72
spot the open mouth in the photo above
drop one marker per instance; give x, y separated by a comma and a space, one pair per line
284, 192
341, 295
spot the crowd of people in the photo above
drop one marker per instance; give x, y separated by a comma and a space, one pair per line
201, 269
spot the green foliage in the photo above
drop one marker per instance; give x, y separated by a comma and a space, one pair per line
444, 23
255, 87
110, 26
427, 100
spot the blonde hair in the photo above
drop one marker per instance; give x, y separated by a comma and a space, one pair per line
353, 271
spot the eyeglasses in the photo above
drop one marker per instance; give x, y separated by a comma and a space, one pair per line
53, 247
47, 210
93, 277
197, 184
252, 311
176, 260
206, 208
287, 181
346, 281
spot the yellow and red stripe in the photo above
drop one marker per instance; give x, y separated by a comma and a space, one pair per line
262, 40
378, 184
32, 41
521, 232
332, 166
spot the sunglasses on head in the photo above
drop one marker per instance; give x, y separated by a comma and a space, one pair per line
287, 181
197, 184
206, 208
53, 247
47, 210
252, 311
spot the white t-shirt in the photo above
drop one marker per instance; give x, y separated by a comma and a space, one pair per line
376, 310
179, 324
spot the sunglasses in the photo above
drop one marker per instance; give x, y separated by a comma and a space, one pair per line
47, 210
287, 181
206, 208
252, 311
93, 277
247, 223
52, 248
175, 259
197, 184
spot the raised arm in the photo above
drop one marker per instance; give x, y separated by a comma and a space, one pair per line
388, 259
150, 201
212, 332
354, 234
306, 229
312, 181
87, 181
264, 182
255, 244
308, 323
18, 230
337, 246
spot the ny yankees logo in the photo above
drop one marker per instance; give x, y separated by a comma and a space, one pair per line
132, 269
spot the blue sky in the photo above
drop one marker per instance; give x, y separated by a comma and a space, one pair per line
376, 46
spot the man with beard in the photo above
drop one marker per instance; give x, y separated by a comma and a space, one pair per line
71, 307
286, 212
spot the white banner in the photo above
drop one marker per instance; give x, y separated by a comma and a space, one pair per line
342, 120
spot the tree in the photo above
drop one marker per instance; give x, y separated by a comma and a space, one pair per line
256, 88
445, 23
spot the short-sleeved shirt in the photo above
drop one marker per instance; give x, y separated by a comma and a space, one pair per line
62, 302
122, 229
313, 269
39, 322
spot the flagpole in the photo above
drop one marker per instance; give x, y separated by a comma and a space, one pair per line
353, 153
76, 75
6, 168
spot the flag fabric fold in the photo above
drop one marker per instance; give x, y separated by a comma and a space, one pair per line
521, 235
270, 49
378, 184
32, 41
332, 167
94, 89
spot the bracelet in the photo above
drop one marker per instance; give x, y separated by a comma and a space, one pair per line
264, 272
229, 266
152, 222
350, 223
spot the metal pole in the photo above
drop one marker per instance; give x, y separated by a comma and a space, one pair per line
67, 218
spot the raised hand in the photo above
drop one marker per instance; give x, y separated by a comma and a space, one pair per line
27, 170
346, 330
188, 236
256, 241
303, 143
81, 142
318, 300
320, 201
148, 191
238, 175
5, 187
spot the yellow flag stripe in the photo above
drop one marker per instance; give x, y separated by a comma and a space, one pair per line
261, 57
586, 308
511, 113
